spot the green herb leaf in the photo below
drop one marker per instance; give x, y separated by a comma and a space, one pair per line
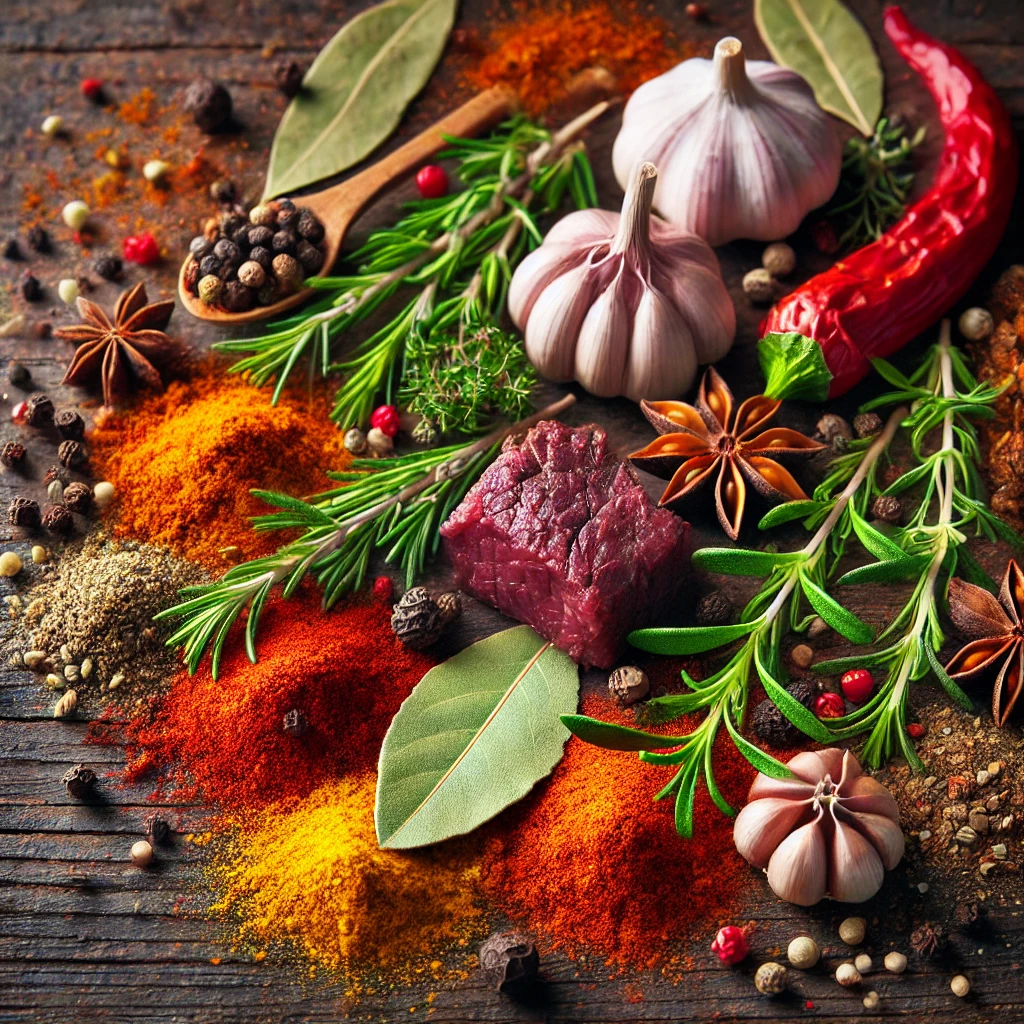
874, 540
764, 763
357, 89
476, 733
793, 367
889, 571
841, 620
787, 512
617, 737
822, 41
742, 562
956, 694
693, 640
805, 720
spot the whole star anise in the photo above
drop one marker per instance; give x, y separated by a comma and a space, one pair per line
698, 442
997, 637
122, 351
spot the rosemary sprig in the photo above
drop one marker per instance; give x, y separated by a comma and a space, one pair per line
394, 504
875, 182
791, 578
457, 253
930, 548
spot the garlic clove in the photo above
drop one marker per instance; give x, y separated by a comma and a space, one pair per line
882, 832
851, 769
763, 824
600, 351
662, 356
865, 794
542, 266
797, 870
555, 322
788, 789
855, 871
813, 765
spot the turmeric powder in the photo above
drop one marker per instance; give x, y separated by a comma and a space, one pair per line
315, 875
183, 463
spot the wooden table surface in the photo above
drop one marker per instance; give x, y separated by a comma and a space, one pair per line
85, 937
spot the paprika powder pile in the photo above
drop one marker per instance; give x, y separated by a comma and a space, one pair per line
588, 862
547, 44
183, 463
340, 676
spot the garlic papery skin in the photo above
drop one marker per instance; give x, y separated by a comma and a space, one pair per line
743, 149
828, 830
623, 303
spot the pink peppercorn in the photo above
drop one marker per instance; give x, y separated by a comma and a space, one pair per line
857, 685
19, 412
385, 419
915, 730
830, 705
432, 181
141, 249
383, 588
730, 944
92, 88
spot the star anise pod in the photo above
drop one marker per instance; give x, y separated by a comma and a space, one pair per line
997, 637
121, 351
710, 440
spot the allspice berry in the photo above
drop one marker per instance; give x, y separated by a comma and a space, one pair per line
511, 961
24, 512
71, 453
867, 424
209, 103
976, 324
758, 286
79, 781
39, 410
714, 609
888, 508
802, 656
58, 519
417, 620
779, 259
628, 685
12, 454
69, 424
288, 77
852, 930
832, 427
770, 979
78, 498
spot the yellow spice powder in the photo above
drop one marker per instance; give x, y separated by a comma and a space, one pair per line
315, 875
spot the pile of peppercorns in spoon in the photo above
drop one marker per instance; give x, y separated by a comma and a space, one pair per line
239, 262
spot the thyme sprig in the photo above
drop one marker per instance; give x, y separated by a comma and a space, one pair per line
396, 505
875, 182
794, 582
456, 254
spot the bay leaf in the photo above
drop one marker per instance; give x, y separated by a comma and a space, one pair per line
823, 42
355, 92
475, 735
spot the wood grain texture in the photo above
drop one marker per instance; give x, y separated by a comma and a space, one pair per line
86, 937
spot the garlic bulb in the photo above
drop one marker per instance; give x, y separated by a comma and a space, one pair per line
744, 150
829, 830
622, 303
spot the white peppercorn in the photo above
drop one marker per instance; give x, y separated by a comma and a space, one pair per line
960, 986
155, 170
770, 979
68, 291
852, 930
803, 952
251, 274
871, 1001
976, 324
10, 564
895, 963
52, 125
863, 963
779, 259
847, 975
75, 214
355, 441
141, 854
758, 285
263, 215
103, 493
379, 443
210, 289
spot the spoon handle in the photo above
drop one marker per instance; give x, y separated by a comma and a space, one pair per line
346, 199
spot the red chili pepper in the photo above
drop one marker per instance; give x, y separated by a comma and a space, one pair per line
879, 298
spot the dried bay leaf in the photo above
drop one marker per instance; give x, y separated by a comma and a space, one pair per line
822, 41
357, 89
475, 735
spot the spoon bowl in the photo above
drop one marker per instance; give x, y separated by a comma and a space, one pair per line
337, 207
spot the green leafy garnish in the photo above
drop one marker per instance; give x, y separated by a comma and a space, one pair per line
793, 367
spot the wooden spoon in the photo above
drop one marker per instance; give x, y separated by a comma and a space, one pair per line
338, 206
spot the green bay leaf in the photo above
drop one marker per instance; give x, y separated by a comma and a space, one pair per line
357, 89
476, 733
823, 42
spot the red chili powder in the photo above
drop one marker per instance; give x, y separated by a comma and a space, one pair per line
344, 670
593, 863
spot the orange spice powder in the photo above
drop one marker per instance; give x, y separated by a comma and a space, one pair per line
183, 462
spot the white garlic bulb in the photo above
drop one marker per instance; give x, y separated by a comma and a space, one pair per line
623, 303
743, 149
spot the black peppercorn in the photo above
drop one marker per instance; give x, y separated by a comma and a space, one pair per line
294, 723
158, 828
929, 940
109, 267
231, 221
200, 246
56, 473
18, 374
237, 298
31, 289
971, 918
209, 103
241, 238
79, 781
417, 620
287, 216
311, 258
12, 251
285, 242
288, 77
223, 191
511, 961
628, 685
714, 609
24, 512
71, 453
225, 250
39, 411
888, 508
69, 424
229, 271
309, 227
772, 726
58, 519
39, 239
40, 329
209, 265
263, 256
867, 424
78, 498
260, 234
12, 454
